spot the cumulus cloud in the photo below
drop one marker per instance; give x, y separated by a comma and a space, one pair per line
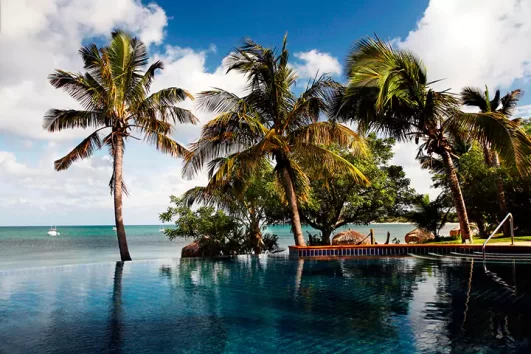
48, 36
313, 62
474, 42
469, 43
39, 36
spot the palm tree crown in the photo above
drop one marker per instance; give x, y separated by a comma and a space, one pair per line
114, 94
269, 122
388, 91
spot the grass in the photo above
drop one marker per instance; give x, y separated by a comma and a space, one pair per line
495, 239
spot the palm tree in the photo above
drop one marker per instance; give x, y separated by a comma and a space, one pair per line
388, 91
429, 215
270, 123
114, 95
472, 96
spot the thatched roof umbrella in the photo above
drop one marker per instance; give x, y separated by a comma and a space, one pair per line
418, 236
351, 237
455, 232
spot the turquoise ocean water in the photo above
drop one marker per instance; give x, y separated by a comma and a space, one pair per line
26, 247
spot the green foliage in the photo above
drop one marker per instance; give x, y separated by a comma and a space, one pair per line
431, 216
479, 191
338, 199
216, 232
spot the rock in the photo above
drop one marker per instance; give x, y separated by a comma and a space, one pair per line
418, 236
351, 237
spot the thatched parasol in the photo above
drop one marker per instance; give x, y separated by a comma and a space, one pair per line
418, 236
455, 232
351, 237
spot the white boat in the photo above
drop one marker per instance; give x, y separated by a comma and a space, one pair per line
114, 228
161, 229
53, 231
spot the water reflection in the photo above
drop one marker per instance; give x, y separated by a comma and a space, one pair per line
269, 305
116, 318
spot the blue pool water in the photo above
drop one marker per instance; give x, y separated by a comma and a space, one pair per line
267, 305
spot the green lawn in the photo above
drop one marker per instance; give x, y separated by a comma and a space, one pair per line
495, 239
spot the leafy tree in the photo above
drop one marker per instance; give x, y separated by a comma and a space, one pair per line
216, 232
338, 199
114, 93
431, 216
472, 96
388, 91
253, 200
270, 123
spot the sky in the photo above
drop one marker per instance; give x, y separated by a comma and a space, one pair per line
466, 43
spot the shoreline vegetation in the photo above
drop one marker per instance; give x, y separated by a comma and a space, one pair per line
282, 153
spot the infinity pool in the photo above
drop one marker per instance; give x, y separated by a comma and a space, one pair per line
268, 305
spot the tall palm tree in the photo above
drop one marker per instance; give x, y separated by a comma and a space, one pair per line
472, 96
388, 91
270, 122
114, 93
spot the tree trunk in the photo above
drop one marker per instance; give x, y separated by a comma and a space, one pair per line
255, 234
119, 220
457, 197
501, 195
325, 235
293, 208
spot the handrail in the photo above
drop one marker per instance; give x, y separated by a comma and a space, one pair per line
510, 217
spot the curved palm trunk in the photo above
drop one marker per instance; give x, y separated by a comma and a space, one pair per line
293, 208
119, 220
502, 203
255, 233
457, 196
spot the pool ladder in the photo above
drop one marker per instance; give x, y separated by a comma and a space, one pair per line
510, 218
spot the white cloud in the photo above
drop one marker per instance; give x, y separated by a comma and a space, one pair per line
474, 42
469, 43
38, 36
314, 62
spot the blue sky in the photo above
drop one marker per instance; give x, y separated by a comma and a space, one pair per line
473, 42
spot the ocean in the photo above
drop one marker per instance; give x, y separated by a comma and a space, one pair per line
30, 246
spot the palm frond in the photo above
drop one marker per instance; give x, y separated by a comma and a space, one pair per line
84, 88
329, 133
58, 119
321, 161
510, 101
474, 97
504, 136
84, 150
165, 144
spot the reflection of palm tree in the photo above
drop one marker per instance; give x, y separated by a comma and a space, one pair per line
116, 337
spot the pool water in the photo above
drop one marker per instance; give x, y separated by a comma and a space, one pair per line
268, 305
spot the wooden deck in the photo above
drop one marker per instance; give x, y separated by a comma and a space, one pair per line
399, 250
